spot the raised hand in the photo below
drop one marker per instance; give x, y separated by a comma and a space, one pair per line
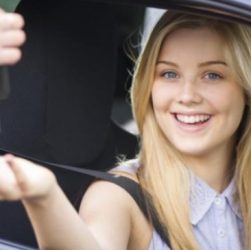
11, 37
21, 179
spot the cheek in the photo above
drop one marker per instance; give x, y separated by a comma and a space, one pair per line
161, 97
236, 112
231, 104
226, 98
235, 102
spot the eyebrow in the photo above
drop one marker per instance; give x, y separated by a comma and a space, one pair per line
167, 63
212, 62
203, 64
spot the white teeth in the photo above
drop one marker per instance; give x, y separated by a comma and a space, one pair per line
191, 119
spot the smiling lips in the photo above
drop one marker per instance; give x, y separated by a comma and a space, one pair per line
192, 122
192, 119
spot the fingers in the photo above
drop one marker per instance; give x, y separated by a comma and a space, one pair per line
11, 21
11, 37
22, 170
14, 177
8, 185
34, 181
21, 179
10, 56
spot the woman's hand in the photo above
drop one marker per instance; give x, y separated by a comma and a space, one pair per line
11, 37
21, 179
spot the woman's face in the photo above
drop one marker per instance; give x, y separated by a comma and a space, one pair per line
196, 100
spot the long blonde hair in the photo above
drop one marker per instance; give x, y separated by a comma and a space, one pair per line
163, 173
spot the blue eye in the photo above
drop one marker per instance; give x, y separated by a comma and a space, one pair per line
213, 76
170, 75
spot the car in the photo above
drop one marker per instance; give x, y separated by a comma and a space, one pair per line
62, 92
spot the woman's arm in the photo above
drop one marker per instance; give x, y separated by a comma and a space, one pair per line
56, 223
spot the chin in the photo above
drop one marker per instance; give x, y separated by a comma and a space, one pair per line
195, 150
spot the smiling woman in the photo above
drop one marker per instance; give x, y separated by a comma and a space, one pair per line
191, 97
191, 103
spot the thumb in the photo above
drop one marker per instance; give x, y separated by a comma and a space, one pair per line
32, 179
21, 169
6, 173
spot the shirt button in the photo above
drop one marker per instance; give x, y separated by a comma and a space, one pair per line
218, 201
221, 233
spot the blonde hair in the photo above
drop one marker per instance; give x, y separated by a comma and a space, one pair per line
163, 173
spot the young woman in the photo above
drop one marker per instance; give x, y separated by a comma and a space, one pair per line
191, 101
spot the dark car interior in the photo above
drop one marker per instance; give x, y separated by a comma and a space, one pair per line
75, 67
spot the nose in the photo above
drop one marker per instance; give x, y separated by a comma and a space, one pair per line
189, 93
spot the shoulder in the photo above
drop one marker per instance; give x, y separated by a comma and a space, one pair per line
105, 208
100, 191
109, 210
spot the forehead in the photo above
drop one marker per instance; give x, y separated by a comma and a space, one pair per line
201, 43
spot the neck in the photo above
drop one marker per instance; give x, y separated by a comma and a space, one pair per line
215, 169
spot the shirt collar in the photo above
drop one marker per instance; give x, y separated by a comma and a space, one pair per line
230, 194
202, 197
